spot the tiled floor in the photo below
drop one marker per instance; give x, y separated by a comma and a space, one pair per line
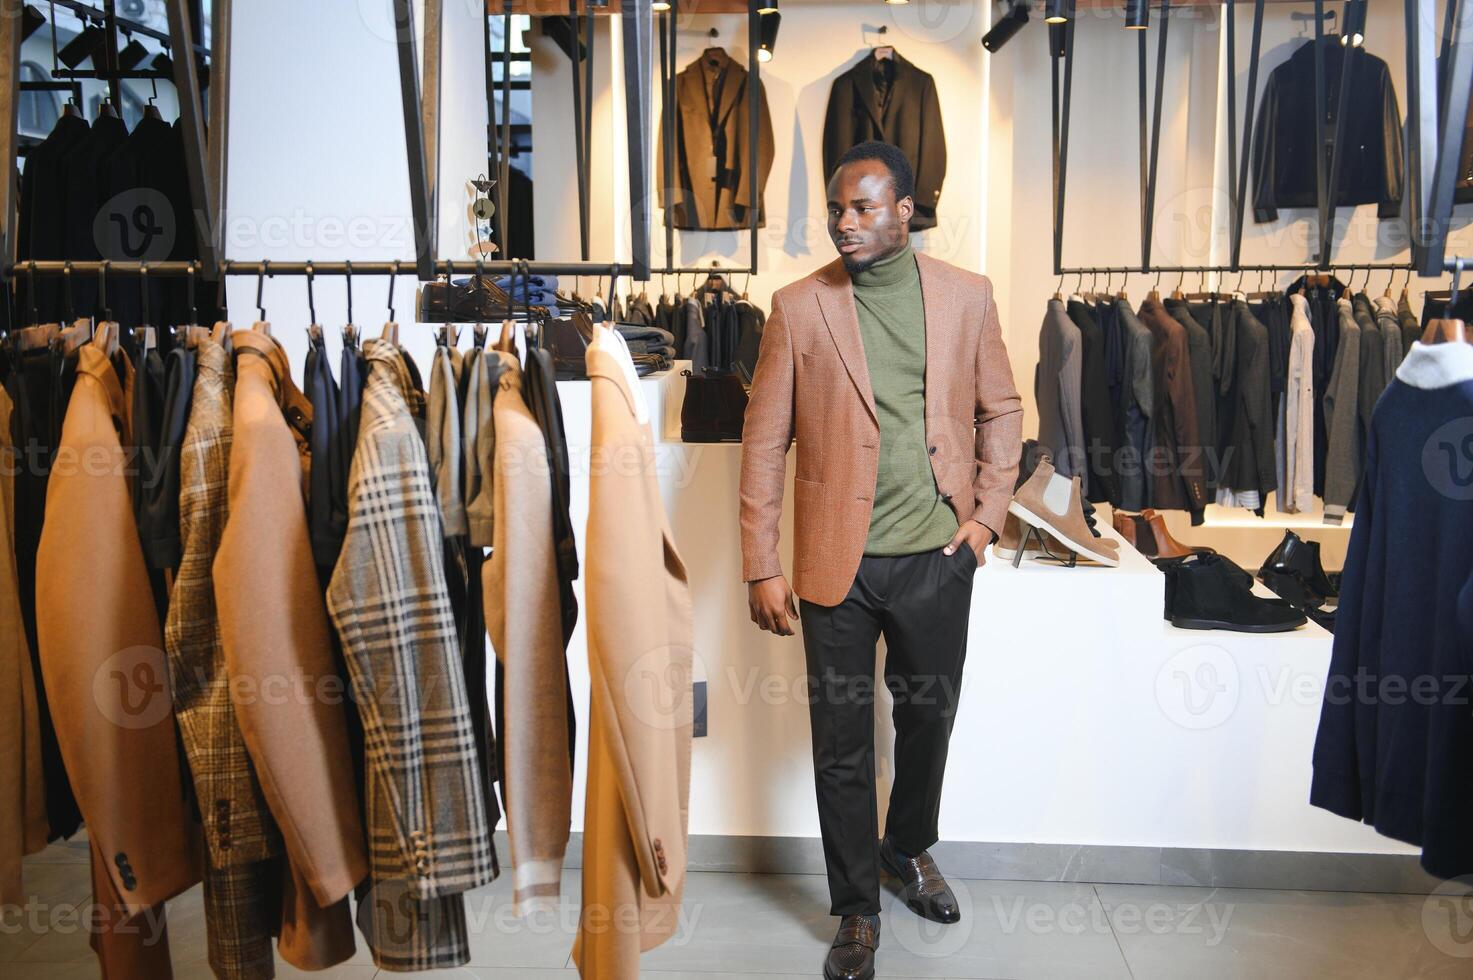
739, 925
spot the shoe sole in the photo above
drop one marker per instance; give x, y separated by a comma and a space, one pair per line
1026, 515
1187, 623
867, 975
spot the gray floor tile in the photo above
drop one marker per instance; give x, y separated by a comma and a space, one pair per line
542, 940
1221, 934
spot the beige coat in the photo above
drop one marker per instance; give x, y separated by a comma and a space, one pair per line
812, 382
105, 671
23, 825
288, 695
519, 587
639, 664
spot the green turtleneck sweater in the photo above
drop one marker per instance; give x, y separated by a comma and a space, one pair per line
909, 515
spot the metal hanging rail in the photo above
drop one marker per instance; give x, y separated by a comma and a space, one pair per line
271, 268
1224, 269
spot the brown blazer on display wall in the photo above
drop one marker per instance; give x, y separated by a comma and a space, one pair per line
910, 118
711, 189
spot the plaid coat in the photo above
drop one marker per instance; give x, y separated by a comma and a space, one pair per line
239, 830
429, 839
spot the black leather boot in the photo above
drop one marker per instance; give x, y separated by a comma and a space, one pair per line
852, 956
926, 892
1204, 593
1294, 554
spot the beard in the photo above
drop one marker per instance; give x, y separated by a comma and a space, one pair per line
852, 265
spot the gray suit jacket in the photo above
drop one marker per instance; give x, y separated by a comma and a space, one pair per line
1342, 418
1056, 388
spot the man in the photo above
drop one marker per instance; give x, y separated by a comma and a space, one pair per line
889, 368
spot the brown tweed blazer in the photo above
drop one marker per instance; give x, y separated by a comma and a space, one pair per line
812, 382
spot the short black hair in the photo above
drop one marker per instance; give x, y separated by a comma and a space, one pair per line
902, 175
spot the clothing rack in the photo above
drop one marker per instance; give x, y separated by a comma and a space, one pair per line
1204, 269
270, 268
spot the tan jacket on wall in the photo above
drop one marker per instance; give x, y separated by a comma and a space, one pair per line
106, 675
812, 382
711, 187
289, 698
23, 824
636, 813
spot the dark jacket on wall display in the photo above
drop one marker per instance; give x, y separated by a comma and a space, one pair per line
893, 101
1285, 135
711, 189
1176, 474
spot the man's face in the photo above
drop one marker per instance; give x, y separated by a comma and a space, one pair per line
866, 221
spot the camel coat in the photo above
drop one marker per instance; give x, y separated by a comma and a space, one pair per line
106, 675
23, 824
639, 664
289, 696
812, 382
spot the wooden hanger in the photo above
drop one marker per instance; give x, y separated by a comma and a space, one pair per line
1446, 332
1177, 293
220, 333
508, 340
390, 333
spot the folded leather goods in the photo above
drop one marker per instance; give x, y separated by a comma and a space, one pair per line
473, 300
714, 408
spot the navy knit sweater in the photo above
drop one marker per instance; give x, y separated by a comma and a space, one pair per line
1395, 743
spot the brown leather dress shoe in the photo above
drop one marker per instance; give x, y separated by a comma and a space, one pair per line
852, 957
926, 892
1153, 540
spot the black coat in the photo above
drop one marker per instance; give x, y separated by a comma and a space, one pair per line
1284, 137
910, 119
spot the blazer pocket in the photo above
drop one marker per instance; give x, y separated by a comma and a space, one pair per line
808, 523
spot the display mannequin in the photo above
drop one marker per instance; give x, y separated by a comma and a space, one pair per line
888, 366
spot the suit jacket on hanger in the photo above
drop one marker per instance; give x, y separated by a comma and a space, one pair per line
429, 840
908, 116
711, 188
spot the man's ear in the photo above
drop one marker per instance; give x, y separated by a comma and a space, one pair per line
907, 207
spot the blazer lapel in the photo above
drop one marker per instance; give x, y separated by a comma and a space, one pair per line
941, 333
837, 303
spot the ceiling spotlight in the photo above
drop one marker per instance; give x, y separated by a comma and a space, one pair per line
768, 7
31, 21
1137, 15
1056, 12
660, 6
1006, 26
1058, 40
768, 23
897, 2
83, 46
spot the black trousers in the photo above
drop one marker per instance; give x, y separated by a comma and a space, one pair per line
920, 603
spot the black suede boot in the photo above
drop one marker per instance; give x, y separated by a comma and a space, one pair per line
1207, 592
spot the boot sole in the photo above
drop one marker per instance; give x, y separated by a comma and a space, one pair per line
1187, 623
1026, 515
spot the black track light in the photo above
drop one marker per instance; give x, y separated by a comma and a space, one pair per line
132, 55
768, 22
1058, 36
83, 46
1006, 26
30, 21
1137, 15
1056, 11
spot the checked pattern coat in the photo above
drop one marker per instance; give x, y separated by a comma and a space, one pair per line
429, 838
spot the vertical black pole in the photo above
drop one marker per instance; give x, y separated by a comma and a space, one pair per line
503, 175
1457, 72
110, 55
1144, 156
414, 140
669, 113
588, 123
1155, 136
637, 23
578, 148
754, 131
1243, 164
191, 124
1350, 58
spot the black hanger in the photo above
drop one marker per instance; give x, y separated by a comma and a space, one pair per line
350, 331
68, 311
392, 279
260, 289
102, 313
150, 110
220, 292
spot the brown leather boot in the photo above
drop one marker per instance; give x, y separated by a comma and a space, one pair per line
1054, 504
1153, 540
1125, 527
